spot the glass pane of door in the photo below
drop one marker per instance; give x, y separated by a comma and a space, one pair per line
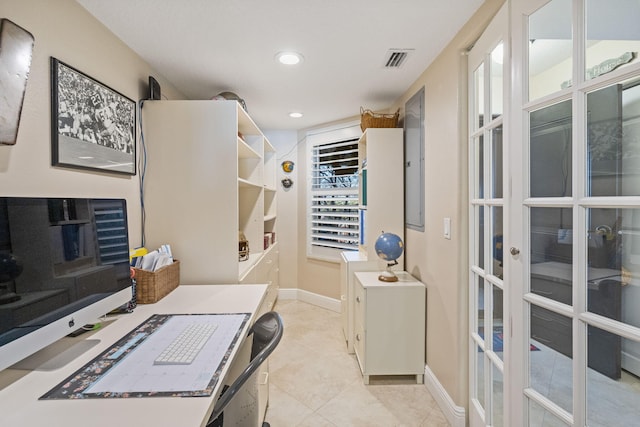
496, 84
550, 356
613, 155
550, 151
611, 390
479, 97
497, 398
550, 49
496, 162
613, 39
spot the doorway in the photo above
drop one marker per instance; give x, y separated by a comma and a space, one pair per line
554, 208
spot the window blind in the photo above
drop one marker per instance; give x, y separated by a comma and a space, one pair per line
334, 195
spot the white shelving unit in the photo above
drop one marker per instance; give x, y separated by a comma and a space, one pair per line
381, 202
211, 174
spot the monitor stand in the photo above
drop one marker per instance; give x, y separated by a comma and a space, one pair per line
61, 352
56, 355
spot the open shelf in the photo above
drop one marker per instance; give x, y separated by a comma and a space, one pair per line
214, 198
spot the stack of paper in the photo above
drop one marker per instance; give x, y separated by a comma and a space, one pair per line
154, 260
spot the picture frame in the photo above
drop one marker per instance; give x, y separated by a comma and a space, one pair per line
17, 50
93, 127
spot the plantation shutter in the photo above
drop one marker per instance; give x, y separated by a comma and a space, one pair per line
334, 195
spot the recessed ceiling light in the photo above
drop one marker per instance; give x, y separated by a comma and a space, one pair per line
289, 58
295, 115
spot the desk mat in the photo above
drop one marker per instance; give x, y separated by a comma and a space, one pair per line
133, 373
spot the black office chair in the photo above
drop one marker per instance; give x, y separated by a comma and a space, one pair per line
267, 332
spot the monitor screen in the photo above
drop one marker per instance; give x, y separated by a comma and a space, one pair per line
64, 262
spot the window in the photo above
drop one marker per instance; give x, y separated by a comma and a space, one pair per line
333, 193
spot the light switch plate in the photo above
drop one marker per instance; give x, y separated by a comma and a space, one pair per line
447, 228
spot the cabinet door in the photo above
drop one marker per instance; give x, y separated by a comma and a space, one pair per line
359, 334
394, 330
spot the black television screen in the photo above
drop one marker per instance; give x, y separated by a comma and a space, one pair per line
57, 257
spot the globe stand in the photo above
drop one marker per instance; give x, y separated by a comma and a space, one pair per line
389, 247
388, 275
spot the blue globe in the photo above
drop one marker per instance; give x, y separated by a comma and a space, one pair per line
389, 246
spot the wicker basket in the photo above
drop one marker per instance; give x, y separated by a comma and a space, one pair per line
369, 119
152, 286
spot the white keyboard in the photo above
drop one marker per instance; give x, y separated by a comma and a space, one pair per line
186, 346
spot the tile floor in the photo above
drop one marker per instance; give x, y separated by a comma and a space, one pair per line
315, 382
610, 403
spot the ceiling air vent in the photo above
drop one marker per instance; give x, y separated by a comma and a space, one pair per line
396, 57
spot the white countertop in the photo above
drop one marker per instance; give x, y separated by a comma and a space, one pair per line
20, 390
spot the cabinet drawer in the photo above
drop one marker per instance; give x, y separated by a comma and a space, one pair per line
551, 329
359, 303
359, 345
553, 289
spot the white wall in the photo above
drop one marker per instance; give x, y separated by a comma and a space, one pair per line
63, 29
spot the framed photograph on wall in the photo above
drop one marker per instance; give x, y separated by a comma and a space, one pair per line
92, 126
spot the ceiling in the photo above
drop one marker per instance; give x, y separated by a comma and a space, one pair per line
204, 47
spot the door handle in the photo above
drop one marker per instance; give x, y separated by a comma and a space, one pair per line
514, 251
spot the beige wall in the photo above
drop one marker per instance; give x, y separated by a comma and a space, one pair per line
315, 276
440, 263
63, 29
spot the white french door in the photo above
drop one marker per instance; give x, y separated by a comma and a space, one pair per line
488, 282
554, 214
575, 212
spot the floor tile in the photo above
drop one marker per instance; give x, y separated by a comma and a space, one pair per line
313, 381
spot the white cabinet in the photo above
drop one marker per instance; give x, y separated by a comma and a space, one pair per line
350, 262
266, 270
381, 203
389, 325
210, 174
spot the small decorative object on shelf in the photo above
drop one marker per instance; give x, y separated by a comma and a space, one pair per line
370, 119
243, 247
287, 182
231, 96
389, 247
287, 166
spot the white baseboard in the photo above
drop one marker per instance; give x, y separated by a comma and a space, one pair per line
455, 414
311, 298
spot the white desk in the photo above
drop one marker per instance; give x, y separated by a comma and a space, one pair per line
19, 404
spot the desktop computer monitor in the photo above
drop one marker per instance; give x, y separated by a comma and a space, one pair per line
64, 263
